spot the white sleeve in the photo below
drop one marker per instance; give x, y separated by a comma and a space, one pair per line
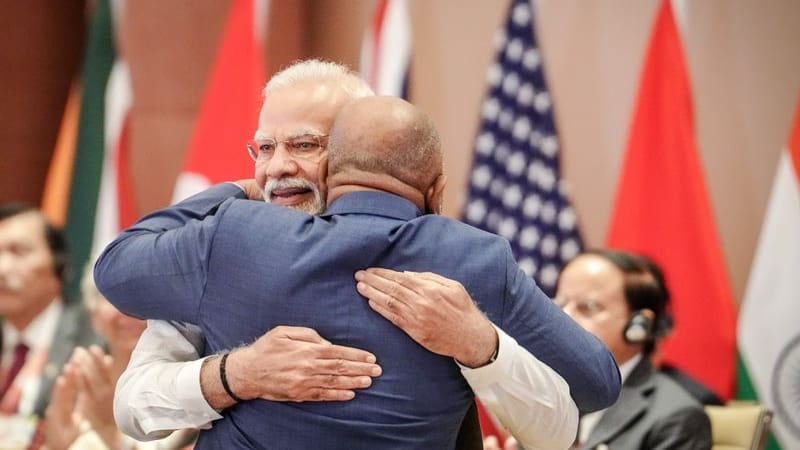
160, 391
531, 400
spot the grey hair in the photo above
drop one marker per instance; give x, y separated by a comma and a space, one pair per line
319, 70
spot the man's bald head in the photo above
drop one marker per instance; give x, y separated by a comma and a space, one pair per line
384, 142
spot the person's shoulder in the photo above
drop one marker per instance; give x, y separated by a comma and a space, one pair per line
671, 393
696, 389
458, 226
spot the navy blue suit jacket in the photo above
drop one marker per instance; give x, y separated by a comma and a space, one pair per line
238, 268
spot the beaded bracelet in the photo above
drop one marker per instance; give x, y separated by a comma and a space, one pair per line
223, 377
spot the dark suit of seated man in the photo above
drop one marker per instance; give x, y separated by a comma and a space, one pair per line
237, 267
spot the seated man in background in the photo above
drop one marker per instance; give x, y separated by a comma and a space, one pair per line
80, 414
185, 263
621, 298
39, 329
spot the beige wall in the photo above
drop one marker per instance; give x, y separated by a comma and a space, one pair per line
41, 43
743, 57
744, 64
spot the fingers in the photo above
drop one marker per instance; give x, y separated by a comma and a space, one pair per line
62, 400
94, 371
387, 294
94, 367
511, 444
296, 364
250, 188
303, 335
299, 334
390, 281
339, 383
430, 277
348, 354
347, 368
410, 287
387, 313
411, 279
328, 388
333, 395
491, 443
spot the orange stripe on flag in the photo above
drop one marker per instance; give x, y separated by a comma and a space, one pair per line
59, 175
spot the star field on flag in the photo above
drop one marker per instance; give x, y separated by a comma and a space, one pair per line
515, 186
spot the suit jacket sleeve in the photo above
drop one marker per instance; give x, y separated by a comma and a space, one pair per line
157, 268
542, 328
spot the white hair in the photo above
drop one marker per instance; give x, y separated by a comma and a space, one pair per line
319, 70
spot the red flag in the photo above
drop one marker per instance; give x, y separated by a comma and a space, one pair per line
662, 210
490, 424
231, 102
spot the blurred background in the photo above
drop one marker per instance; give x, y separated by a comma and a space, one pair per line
742, 56
742, 59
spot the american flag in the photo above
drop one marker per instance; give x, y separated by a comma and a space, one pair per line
515, 186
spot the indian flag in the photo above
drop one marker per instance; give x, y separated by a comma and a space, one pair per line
88, 187
769, 331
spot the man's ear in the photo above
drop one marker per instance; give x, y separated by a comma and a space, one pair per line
434, 196
322, 176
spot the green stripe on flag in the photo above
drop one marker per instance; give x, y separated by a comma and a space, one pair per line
745, 391
88, 164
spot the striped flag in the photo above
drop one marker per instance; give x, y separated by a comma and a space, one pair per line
662, 210
232, 99
515, 187
769, 337
95, 188
59, 174
386, 49
115, 204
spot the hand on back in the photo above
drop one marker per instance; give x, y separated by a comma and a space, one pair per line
297, 364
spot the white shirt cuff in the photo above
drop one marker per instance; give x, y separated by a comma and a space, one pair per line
495, 371
189, 393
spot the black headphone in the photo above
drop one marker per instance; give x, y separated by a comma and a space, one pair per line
639, 328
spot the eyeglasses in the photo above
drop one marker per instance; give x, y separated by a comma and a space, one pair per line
306, 146
586, 308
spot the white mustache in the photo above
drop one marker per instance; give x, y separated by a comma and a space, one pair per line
284, 183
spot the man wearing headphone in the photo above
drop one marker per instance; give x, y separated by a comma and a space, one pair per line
621, 298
